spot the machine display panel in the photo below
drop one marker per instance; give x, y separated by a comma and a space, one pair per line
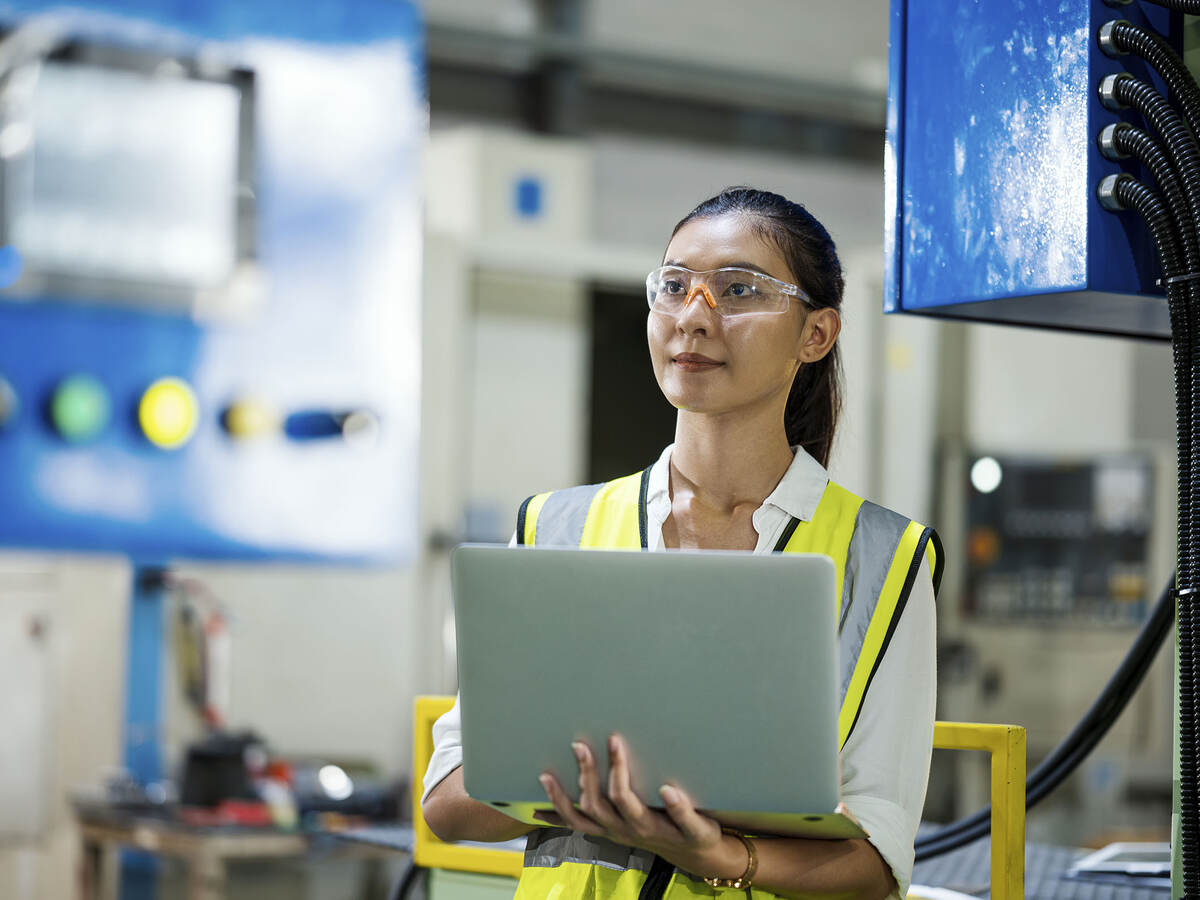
210, 342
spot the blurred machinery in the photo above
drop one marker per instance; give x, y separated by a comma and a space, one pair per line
1059, 560
210, 254
210, 331
1058, 542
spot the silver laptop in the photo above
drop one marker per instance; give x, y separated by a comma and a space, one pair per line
719, 669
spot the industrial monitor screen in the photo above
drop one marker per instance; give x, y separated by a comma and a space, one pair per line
124, 184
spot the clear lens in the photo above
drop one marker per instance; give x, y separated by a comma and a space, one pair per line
734, 291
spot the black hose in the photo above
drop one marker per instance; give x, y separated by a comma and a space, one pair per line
1191, 7
1176, 137
1124, 138
1095, 723
1129, 140
1132, 194
1125, 37
403, 887
1155, 50
1185, 158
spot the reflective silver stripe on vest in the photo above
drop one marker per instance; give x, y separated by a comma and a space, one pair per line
550, 847
560, 523
877, 534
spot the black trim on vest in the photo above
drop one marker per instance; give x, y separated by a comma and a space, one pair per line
521, 521
643, 525
782, 543
941, 561
901, 602
659, 877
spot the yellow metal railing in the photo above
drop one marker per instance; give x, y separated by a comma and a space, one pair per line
1005, 744
429, 850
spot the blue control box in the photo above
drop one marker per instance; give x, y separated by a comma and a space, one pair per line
991, 168
210, 323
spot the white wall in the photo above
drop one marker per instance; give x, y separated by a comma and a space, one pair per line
643, 186
1049, 392
529, 407
81, 604
838, 44
767, 37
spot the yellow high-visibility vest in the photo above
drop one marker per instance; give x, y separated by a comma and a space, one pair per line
876, 553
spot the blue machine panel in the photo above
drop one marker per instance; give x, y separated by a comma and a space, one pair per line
320, 336
991, 169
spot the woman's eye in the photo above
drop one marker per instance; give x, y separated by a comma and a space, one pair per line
740, 290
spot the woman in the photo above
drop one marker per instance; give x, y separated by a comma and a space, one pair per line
742, 333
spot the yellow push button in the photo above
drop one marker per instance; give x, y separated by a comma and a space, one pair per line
168, 413
245, 419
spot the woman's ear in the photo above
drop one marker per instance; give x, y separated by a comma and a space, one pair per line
820, 332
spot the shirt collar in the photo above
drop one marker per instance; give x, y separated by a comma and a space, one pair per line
797, 494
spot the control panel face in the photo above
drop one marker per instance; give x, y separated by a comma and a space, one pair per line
210, 315
1059, 541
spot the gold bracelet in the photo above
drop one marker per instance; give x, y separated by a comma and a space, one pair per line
744, 880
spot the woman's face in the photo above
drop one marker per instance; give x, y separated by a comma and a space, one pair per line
709, 364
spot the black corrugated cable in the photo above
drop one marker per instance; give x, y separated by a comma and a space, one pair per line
1191, 7
1117, 92
1120, 37
1123, 137
1115, 38
1121, 91
1121, 140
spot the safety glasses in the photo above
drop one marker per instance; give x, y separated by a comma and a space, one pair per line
730, 291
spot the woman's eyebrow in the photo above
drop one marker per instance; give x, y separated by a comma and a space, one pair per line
729, 265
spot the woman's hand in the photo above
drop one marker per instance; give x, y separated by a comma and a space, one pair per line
683, 835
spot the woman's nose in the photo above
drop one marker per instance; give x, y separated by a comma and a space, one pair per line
698, 311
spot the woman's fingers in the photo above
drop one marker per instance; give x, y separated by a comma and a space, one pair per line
592, 800
620, 790
694, 826
618, 812
567, 814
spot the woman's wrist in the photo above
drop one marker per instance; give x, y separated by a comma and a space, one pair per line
727, 858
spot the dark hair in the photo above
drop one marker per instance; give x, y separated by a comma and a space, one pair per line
815, 400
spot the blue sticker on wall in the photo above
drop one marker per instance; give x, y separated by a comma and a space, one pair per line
529, 197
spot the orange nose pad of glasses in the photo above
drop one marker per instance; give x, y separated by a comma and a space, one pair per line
701, 289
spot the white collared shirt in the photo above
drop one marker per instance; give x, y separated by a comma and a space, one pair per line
885, 762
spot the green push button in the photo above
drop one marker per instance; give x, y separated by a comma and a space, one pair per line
79, 409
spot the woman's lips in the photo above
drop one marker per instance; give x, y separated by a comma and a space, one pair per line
695, 362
